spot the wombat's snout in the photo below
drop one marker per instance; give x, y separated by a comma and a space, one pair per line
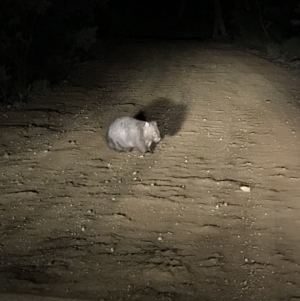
157, 139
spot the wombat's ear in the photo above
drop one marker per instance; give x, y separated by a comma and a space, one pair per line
147, 124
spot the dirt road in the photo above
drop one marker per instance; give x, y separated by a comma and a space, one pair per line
212, 214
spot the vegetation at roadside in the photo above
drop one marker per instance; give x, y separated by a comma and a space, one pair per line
41, 40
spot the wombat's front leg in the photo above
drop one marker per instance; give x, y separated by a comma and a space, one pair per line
150, 149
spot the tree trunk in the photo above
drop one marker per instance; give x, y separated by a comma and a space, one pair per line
219, 23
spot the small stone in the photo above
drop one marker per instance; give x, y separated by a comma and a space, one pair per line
245, 188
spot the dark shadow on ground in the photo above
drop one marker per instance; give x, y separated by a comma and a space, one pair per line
168, 115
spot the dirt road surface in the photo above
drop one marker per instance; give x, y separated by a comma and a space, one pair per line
212, 214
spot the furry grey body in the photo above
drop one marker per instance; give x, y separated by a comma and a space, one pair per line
128, 133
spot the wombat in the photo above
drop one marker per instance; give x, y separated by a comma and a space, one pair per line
128, 133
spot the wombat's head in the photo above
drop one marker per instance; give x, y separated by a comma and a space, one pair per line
151, 131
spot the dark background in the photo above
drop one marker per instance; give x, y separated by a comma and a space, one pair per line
42, 40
